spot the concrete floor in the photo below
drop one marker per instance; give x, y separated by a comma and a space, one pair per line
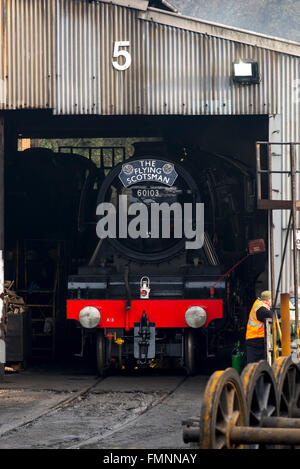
101, 420
26, 394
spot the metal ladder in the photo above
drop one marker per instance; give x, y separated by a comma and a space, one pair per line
264, 152
42, 301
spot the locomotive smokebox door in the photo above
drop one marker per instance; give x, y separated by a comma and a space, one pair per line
144, 339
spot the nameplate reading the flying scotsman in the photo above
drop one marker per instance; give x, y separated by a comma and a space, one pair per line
137, 171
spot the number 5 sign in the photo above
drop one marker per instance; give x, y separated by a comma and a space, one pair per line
121, 53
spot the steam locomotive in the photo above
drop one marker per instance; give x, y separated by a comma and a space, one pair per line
153, 289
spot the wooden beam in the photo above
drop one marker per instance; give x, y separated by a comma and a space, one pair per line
266, 204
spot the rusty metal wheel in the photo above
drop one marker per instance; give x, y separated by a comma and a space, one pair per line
287, 376
261, 393
223, 407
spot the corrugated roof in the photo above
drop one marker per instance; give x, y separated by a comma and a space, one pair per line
163, 5
141, 4
163, 12
231, 33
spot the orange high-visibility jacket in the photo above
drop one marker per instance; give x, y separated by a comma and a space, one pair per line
255, 328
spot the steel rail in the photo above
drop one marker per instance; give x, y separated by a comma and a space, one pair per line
127, 422
60, 404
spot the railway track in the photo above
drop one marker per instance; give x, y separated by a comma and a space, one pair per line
71, 423
121, 426
57, 406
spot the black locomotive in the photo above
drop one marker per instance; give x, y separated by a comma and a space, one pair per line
147, 297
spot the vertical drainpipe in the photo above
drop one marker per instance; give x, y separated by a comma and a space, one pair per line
2, 334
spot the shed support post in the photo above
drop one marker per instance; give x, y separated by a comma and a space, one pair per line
285, 324
2, 330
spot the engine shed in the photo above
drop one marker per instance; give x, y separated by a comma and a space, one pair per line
191, 90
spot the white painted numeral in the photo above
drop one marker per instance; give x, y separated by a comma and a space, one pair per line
121, 53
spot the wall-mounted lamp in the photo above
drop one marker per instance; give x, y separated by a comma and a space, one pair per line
245, 71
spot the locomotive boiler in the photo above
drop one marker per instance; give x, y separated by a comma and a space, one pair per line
153, 287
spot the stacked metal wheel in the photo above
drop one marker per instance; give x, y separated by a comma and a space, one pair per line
259, 409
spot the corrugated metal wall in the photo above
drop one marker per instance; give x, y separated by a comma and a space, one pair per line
173, 71
28, 54
58, 54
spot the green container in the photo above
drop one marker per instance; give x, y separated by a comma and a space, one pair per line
293, 329
237, 358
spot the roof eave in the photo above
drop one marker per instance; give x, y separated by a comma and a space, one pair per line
169, 6
243, 36
142, 5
